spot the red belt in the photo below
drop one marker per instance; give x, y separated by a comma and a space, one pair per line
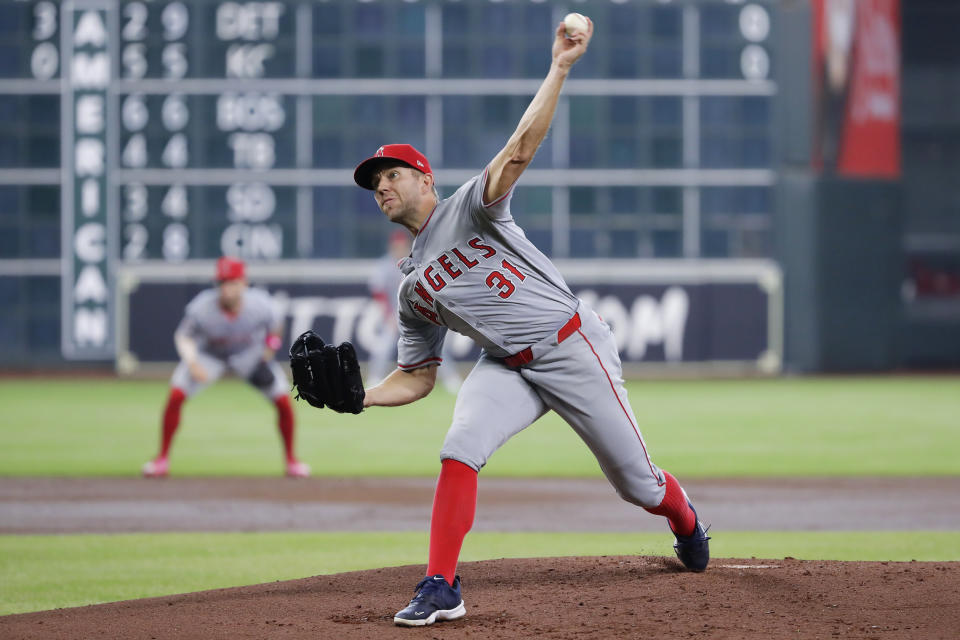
525, 356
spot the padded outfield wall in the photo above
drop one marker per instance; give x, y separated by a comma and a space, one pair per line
721, 317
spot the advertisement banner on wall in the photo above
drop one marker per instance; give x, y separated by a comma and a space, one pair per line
684, 315
856, 78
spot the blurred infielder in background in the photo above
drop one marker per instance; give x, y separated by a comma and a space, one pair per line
472, 270
235, 327
384, 284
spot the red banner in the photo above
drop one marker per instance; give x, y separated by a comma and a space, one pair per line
856, 58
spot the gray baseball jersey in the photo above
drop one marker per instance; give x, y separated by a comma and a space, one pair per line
229, 341
473, 270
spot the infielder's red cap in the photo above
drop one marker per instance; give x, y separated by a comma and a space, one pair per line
405, 153
230, 269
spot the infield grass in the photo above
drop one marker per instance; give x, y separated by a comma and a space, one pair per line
706, 428
47, 572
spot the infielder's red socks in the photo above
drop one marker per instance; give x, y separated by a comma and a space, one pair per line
171, 419
675, 508
285, 425
454, 505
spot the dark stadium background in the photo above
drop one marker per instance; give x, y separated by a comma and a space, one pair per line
682, 145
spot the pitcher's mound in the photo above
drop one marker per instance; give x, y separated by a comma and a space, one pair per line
588, 597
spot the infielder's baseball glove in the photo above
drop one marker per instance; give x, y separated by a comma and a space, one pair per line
325, 375
262, 376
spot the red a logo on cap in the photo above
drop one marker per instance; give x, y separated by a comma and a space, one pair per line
379, 153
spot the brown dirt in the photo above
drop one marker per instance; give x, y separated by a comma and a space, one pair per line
606, 597
117, 505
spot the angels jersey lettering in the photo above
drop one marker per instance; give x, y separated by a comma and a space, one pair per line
473, 270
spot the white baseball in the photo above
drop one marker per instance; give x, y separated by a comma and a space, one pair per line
575, 23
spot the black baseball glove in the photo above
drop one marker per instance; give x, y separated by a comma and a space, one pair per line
325, 375
262, 376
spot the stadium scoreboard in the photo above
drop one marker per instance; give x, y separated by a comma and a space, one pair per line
176, 131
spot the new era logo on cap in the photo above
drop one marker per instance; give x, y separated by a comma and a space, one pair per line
405, 153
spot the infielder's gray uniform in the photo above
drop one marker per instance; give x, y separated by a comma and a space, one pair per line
473, 270
384, 282
234, 342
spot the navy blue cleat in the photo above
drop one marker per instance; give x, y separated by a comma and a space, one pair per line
435, 600
694, 550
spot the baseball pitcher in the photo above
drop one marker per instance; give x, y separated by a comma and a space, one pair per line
231, 327
472, 270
